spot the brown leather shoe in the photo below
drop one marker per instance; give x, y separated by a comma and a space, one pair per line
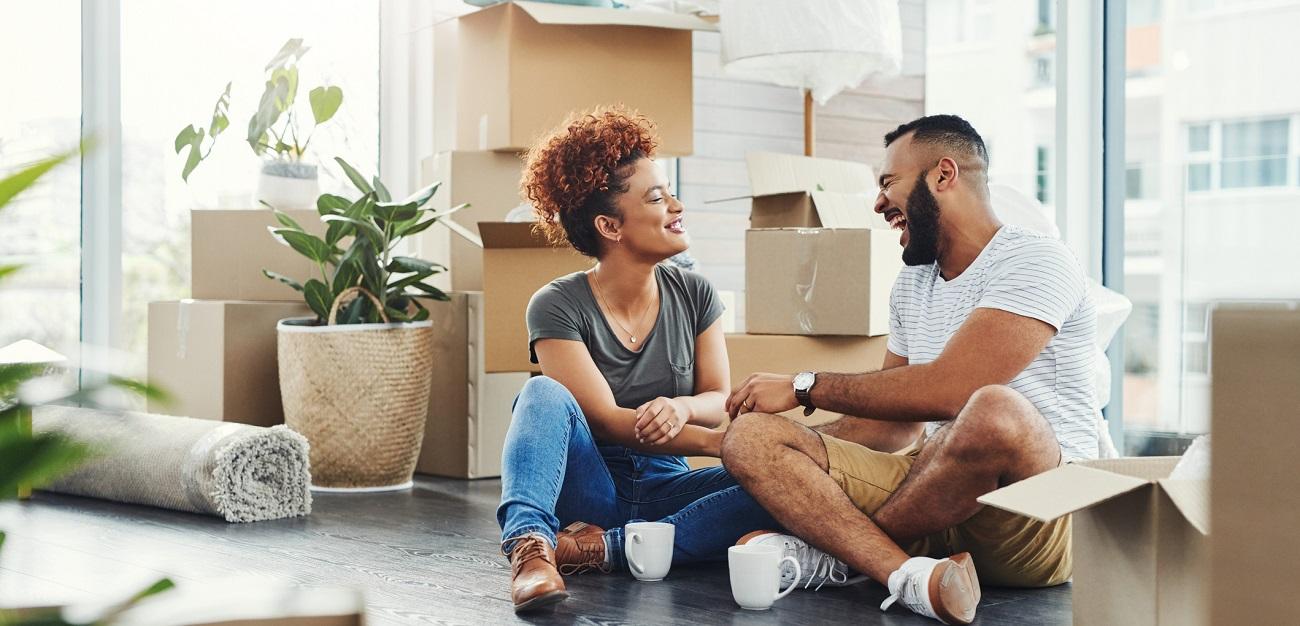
534, 583
579, 548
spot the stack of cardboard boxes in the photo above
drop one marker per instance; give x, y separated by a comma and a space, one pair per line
819, 266
215, 354
503, 76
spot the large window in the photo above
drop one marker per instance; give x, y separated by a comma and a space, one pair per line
1213, 201
172, 77
40, 115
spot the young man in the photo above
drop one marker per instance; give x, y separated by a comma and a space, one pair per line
989, 357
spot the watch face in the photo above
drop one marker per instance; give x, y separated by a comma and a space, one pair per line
803, 380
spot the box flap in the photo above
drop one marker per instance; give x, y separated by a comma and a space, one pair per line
465, 233
1148, 468
1192, 497
1063, 490
773, 173
550, 13
511, 235
847, 210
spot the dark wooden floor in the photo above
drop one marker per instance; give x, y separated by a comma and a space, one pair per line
428, 556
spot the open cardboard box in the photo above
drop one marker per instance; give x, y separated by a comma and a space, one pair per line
818, 259
489, 183
230, 248
1140, 539
522, 67
516, 263
469, 409
216, 358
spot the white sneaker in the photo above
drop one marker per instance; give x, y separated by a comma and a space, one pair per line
946, 590
818, 568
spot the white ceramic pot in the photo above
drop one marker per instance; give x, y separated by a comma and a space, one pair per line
287, 185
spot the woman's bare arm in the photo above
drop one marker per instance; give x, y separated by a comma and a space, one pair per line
569, 363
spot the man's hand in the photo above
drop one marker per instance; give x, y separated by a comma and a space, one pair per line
659, 420
764, 393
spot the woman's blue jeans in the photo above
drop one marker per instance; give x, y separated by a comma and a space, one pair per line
553, 473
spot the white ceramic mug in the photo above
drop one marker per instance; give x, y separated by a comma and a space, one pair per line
648, 547
756, 575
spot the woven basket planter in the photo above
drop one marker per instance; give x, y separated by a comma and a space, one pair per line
359, 393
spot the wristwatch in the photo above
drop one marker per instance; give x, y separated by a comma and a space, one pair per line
803, 384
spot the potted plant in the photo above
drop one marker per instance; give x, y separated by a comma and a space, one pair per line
286, 180
355, 377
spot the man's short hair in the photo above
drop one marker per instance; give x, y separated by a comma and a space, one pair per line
948, 131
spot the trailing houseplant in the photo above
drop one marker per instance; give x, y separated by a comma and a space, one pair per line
30, 460
274, 131
354, 377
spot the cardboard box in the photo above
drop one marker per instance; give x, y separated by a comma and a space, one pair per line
791, 354
524, 66
489, 183
217, 360
818, 260
1255, 365
516, 263
230, 248
469, 409
1141, 544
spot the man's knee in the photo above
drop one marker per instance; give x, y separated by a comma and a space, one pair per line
998, 417
750, 437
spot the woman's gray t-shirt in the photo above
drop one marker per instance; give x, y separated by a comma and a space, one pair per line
566, 308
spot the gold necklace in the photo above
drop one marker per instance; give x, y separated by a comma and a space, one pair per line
600, 293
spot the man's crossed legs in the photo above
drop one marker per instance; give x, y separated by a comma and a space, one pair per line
865, 507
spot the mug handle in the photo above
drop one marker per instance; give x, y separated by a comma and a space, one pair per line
798, 573
635, 537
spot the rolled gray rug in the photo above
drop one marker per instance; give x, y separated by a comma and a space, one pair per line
234, 471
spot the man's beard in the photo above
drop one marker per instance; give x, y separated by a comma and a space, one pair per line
922, 213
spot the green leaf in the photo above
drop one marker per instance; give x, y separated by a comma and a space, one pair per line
403, 264
6, 270
325, 102
430, 292
11, 185
185, 137
282, 278
381, 192
268, 112
14, 374
306, 244
220, 114
36, 460
329, 203
400, 285
347, 274
371, 231
319, 298
286, 86
370, 269
393, 212
355, 311
406, 230
422, 196
292, 50
145, 390
353, 175
441, 214
288, 222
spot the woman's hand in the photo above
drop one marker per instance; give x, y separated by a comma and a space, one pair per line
659, 420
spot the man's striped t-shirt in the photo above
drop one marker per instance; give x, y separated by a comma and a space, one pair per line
1027, 274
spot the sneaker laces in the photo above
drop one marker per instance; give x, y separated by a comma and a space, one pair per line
913, 590
824, 567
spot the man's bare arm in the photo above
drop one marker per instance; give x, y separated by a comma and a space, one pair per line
990, 348
876, 434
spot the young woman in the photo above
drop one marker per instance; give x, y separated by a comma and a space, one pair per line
634, 372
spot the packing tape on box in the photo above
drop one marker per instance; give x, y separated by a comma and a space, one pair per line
807, 252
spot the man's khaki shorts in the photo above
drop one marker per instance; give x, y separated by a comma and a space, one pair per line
1008, 549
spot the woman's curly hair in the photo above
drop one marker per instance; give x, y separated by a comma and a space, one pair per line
573, 174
